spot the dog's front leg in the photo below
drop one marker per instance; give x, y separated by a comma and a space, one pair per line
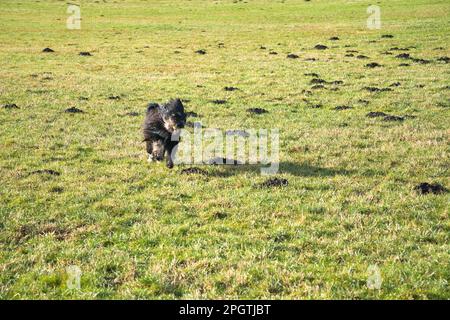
149, 151
169, 148
169, 162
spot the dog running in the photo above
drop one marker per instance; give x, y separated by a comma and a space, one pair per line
161, 123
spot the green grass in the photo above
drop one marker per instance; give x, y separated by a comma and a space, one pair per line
139, 230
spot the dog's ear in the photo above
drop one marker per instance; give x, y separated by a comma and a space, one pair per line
174, 104
177, 104
152, 106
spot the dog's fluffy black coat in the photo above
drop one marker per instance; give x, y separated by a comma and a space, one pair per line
161, 122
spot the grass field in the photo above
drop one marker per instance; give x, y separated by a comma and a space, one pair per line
138, 230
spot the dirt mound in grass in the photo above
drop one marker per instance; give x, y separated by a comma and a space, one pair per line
257, 110
219, 101
376, 114
398, 49
194, 170
47, 171
220, 215
373, 65
230, 88
376, 89
421, 61
403, 56
274, 182
426, 188
74, 110
320, 47
11, 106
388, 117
132, 114
223, 161
317, 81
393, 118
339, 108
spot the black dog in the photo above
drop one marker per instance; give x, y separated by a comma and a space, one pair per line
161, 122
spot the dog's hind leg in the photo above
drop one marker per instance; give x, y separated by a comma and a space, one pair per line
158, 150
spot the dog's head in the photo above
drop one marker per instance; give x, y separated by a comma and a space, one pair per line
173, 115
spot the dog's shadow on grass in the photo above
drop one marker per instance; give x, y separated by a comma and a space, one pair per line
307, 170
295, 169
